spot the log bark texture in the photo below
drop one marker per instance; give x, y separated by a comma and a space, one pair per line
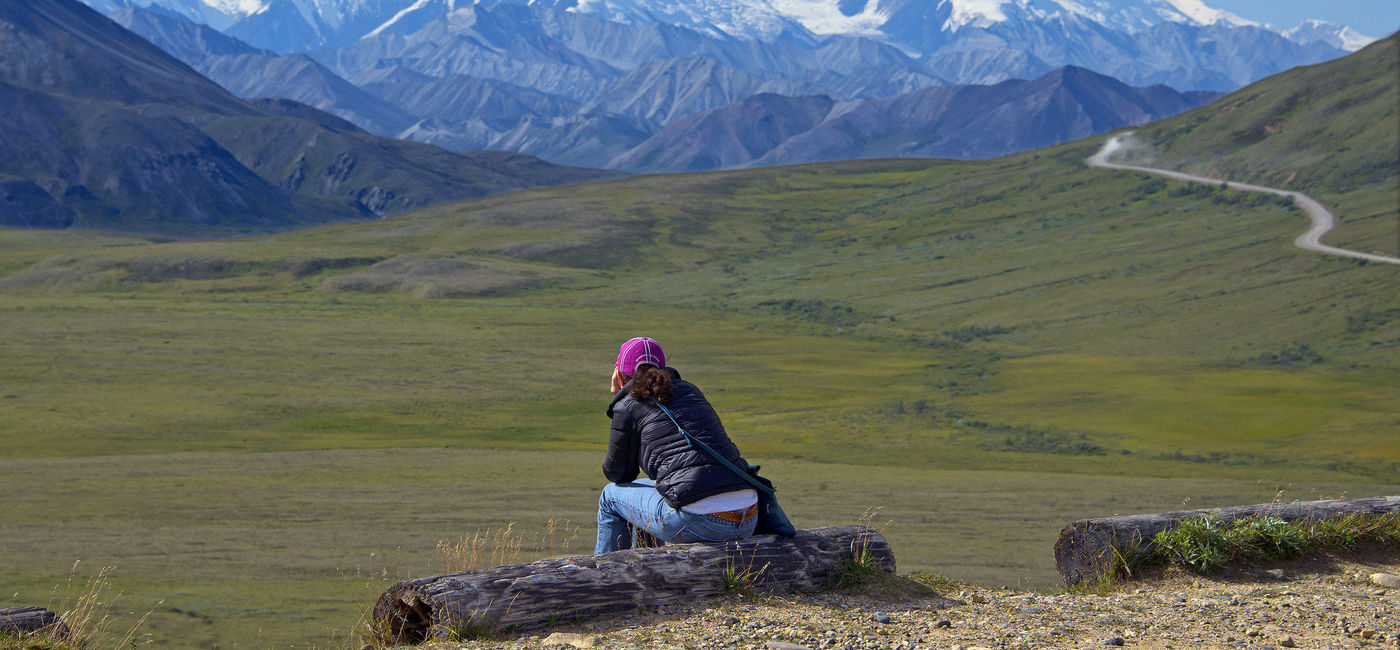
1085, 548
534, 595
24, 620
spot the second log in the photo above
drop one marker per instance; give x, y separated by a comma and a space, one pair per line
1086, 548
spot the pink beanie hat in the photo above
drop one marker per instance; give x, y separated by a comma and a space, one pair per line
638, 351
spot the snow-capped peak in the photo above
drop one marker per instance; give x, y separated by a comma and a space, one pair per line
740, 18
1127, 15
826, 17
1200, 14
1332, 34
235, 7
402, 16
975, 13
218, 14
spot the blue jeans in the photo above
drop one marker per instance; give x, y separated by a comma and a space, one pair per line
641, 505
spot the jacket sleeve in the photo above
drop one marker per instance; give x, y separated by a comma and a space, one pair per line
622, 463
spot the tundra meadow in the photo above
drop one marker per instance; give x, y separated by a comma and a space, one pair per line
259, 434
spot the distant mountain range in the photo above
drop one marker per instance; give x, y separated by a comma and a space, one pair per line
132, 140
919, 26
1182, 43
967, 122
576, 90
104, 131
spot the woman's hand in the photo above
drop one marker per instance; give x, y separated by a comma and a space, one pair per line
617, 380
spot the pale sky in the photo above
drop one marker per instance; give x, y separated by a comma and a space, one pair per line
1376, 18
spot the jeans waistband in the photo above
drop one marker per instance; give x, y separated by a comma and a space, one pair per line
737, 516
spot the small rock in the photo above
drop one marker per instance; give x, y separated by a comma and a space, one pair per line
1350, 643
1253, 631
569, 638
1287, 642
980, 600
784, 645
1032, 610
1117, 640
1386, 580
881, 617
943, 623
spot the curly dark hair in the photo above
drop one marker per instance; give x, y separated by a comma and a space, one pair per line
650, 382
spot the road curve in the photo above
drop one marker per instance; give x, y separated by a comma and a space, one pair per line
1322, 219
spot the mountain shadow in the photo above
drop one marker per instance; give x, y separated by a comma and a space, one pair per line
105, 131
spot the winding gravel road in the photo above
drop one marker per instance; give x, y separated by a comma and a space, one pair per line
1322, 219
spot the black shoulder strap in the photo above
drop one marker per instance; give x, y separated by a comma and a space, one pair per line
707, 449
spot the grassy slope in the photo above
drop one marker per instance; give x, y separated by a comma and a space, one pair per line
1331, 130
859, 325
930, 273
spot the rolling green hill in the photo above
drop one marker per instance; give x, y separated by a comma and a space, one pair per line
987, 350
1331, 130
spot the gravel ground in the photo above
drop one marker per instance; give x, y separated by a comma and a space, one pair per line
1310, 603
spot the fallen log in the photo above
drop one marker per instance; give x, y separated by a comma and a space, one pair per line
26, 620
1086, 548
538, 594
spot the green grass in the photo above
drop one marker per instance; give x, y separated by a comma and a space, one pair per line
1252, 415
290, 547
736, 578
1207, 545
985, 350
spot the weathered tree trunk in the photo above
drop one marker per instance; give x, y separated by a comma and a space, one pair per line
526, 596
24, 620
1086, 548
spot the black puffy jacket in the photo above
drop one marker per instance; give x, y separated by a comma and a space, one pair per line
644, 438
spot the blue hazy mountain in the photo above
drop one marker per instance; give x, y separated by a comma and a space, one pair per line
105, 131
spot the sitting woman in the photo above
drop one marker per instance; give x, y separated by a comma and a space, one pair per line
690, 497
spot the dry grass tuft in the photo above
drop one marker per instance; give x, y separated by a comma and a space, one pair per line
486, 549
364, 589
85, 619
480, 550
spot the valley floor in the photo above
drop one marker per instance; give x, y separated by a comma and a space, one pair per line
1309, 603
